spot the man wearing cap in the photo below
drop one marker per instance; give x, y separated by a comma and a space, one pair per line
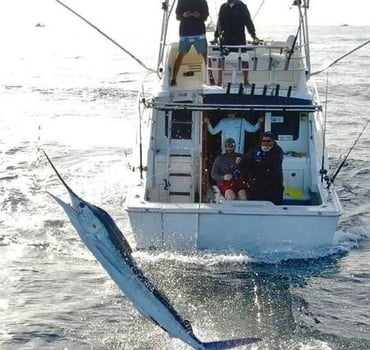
263, 166
227, 171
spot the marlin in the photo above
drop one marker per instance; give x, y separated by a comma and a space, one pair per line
103, 238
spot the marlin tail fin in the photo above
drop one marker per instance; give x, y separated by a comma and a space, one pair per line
232, 343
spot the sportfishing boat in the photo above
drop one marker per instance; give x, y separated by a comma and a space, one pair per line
177, 206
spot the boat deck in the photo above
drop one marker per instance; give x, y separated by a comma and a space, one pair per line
268, 64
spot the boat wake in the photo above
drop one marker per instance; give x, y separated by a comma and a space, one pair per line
344, 241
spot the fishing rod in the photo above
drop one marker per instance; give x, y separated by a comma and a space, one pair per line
332, 178
323, 171
340, 58
167, 10
140, 141
291, 50
106, 36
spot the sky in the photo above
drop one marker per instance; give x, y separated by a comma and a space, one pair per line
330, 12
130, 21
323, 12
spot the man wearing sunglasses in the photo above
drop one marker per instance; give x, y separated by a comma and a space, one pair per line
227, 171
264, 171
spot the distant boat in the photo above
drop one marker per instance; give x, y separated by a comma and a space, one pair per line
40, 25
344, 25
177, 205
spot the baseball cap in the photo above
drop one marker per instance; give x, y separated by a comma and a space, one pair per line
229, 142
269, 134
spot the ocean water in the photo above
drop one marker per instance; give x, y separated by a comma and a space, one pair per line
66, 90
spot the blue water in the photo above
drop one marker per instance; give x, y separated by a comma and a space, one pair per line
67, 91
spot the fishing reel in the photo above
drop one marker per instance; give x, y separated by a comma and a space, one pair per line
329, 179
236, 174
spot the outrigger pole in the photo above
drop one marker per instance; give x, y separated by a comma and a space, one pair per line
258, 10
340, 58
106, 36
302, 31
167, 10
291, 50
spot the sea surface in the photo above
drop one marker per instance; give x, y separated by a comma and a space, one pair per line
68, 91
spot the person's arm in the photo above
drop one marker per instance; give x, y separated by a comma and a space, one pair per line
182, 11
279, 155
179, 10
205, 11
216, 170
219, 23
249, 23
216, 34
216, 129
202, 12
248, 127
276, 158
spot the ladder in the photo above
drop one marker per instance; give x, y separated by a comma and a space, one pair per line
180, 158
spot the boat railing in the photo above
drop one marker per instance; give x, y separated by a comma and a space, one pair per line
268, 63
189, 106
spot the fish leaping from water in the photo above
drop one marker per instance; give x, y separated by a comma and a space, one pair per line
104, 239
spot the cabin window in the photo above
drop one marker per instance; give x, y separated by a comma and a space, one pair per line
285, 125
181, 125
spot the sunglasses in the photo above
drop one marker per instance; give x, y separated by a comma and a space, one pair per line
266, 141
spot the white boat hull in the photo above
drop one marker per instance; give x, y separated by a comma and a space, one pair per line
253, 227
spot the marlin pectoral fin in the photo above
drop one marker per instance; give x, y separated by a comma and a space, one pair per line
107, 255
116, 235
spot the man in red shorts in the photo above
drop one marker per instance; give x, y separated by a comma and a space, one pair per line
228, 173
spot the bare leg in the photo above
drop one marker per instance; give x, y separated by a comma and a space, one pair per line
177, 65
211, 79
242, 194
245, 66
230, 194
221, 64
